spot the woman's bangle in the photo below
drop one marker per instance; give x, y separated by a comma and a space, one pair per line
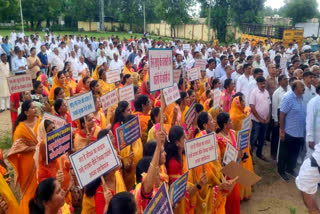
154, 166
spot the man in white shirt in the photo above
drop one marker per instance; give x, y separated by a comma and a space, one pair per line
19, 64
116, 63
4, 90
308, 180
235, 75
138, 59
63, 51
243, 82
313, 123
81, 66
90, 58
310, 90
55, 60
74, 60
277, 98
101, 59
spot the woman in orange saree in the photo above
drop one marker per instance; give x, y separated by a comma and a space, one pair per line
8, 202
226, 135
70, 81
93, 199
22, 151
238, 112
59, 168
86, 133
105, 87
46, 85
130, 157
127, 69
86, 85
142, 108
99, 116
60, 81
144, 90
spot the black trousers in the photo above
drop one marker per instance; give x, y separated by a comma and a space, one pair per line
275, 137
91, 67
288, 154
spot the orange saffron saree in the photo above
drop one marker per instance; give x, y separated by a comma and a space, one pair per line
21, 158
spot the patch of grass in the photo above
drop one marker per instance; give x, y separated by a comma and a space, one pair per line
93, 34
6, 141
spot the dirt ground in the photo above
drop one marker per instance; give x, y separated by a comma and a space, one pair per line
270, 195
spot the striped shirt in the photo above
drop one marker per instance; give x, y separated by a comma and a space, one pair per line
295, 115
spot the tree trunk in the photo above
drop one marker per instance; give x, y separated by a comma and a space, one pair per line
39, 24
31, 24
48, 23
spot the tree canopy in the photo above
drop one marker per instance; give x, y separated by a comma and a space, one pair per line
301, 10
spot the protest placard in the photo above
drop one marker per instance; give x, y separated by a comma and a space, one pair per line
128, 133
81, 105
20, 83
94, 161
194, 74
190, 115
246, 123
126, 93
216, 97
171, 94
245, 177
160, 69
178, 189
201, 150
176, 75
109, 99
113, 76
243, 139
230, 154
186, 47
160, 203
200, 63
58, 142
58, 121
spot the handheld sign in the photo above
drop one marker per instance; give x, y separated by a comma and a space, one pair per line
246, 123
94, 160
176, 75
201, 63
230, 154
113, 76
128, 133
186, 47
216, 97
109, 99
20, 83
201, 150
190, 115
160, 202
194, 74
58, 142
171, 94
160, 69
243, 139
126, 93
178, 189
58, 121
81, 105
246, 177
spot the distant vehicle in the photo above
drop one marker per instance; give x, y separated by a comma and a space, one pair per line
260, 32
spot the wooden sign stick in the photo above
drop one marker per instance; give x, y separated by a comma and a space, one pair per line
162, 110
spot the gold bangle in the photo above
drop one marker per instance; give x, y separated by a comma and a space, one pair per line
154, 166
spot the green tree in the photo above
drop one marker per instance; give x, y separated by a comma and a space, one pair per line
301, 10
247, 11
220, 14
9, 10
174, 12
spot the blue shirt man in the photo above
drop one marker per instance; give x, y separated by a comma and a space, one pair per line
43, 57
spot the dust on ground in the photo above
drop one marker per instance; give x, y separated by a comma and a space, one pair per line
270, 195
